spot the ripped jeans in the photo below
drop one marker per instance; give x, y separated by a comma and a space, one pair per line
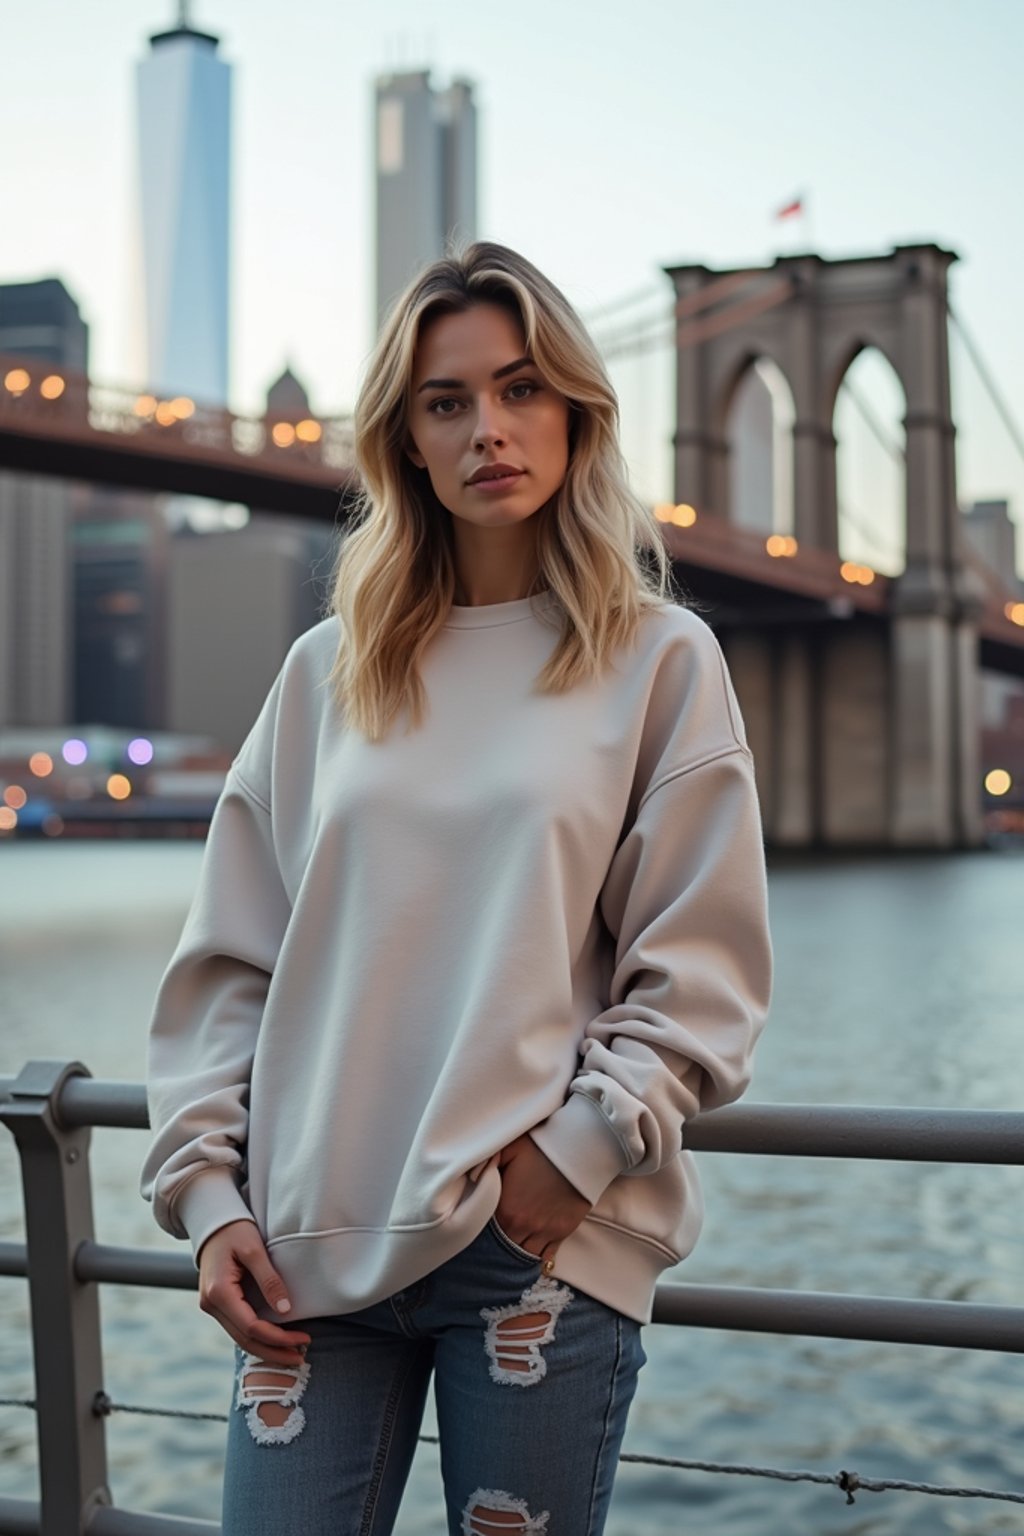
532, 1384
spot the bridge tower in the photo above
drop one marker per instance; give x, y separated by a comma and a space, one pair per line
865, 739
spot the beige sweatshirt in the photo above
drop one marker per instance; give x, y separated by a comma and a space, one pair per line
534, 913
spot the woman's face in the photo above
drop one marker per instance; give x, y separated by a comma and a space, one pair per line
476, 401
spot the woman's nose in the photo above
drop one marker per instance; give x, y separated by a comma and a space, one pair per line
488, 427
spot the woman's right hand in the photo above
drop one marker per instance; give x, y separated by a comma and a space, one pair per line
224, 1258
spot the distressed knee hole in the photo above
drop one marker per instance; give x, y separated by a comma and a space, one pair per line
271, 1394
515, 1333
493, 1512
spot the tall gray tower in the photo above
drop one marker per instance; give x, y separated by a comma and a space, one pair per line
183, 104
425, 144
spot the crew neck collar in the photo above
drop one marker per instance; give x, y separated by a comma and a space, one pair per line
481, 615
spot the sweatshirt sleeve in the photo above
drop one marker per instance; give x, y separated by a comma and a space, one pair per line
685, 901
208, 1007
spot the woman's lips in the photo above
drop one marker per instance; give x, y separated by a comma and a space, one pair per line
495, 483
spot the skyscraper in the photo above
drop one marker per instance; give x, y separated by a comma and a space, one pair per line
38, 320
425, 144
183, 104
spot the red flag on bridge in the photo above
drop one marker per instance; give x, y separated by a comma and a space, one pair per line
797, 206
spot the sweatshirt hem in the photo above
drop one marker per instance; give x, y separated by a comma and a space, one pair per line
345, 1272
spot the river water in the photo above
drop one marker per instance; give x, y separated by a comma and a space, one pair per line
899, 981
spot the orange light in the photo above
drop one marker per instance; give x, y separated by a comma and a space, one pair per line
283, 434
17, 381
118, 787
15, 796
8, 819
997, 781
40, 763
165, 414
145, 405
1015, 612
861, 575
781, 544
663, 511
182, 407
52, 387
684, 516
308, 431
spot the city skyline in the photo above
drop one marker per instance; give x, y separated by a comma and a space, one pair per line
682, 173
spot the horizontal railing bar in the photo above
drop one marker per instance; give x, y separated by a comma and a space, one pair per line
830, 1314
94, 1101
750, 1309
111, 1521
13, 1259
135, 1266
20, 1517
895, 1132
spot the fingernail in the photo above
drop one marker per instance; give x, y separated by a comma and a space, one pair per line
284, 1306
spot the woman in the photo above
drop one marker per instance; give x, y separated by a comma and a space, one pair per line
480, 924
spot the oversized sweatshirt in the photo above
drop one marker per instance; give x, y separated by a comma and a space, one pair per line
539, 914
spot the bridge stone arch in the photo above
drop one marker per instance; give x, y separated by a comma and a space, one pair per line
826, 312
758, 390
813, 316
871, 466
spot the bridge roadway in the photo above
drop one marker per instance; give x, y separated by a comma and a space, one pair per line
119, 437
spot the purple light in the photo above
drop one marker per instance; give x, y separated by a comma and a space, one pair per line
140, 750
74, 751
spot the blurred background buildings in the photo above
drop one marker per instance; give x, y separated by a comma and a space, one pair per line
426, 175
151, 610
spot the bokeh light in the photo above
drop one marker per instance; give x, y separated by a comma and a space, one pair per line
74, 751
140, 750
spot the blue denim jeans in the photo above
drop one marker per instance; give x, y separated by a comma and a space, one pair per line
532, 1384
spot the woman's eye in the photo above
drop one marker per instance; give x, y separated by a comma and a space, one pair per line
444, 400
524, 384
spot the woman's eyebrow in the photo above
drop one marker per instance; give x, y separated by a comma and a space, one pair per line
499, 373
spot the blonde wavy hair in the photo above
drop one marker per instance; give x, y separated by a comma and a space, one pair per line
394, 577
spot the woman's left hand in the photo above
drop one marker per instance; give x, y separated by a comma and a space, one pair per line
538, 1208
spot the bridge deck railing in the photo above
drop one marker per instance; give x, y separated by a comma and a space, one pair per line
51, 1106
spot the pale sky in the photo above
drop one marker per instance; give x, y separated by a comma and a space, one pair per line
614, 139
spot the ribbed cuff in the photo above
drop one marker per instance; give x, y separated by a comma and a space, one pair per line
582, 1145
209, 1201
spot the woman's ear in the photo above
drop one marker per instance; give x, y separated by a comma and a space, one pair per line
415, 455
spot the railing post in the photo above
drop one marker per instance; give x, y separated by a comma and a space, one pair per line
65, 1311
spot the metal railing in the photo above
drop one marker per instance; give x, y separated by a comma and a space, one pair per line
51, 1106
